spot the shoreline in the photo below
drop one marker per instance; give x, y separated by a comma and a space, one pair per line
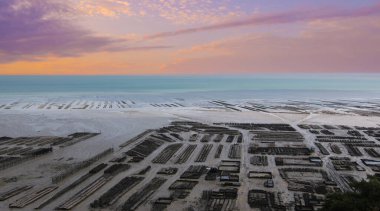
117, 126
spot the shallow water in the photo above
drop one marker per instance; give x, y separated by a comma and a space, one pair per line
279, 86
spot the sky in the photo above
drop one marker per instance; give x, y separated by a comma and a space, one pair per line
145, 37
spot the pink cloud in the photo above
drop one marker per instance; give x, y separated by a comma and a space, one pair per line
350, 45
108, 8
178, 12
279, 18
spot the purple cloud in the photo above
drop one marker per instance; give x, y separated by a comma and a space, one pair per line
279, 18
33, 29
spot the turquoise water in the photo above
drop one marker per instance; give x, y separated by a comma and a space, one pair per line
268, 85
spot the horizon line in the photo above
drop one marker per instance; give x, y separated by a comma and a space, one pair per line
205, 74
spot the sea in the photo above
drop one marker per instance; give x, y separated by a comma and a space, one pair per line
155, 88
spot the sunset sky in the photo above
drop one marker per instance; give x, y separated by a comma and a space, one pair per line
188, 36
